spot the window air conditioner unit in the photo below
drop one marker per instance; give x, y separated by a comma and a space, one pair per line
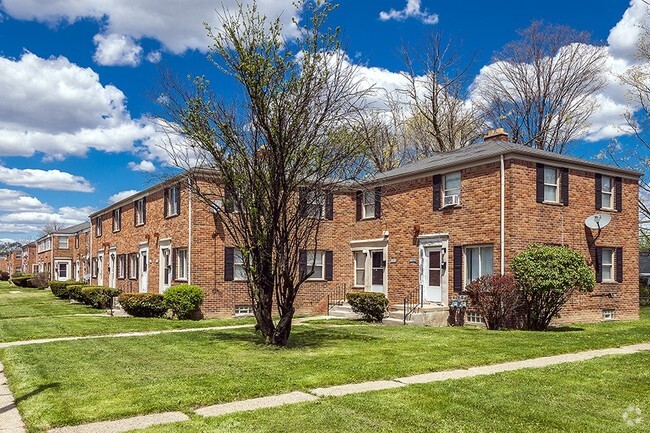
451, 200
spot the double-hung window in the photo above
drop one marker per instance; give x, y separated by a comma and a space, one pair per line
140, 212
551, 185
316, 261
63, 242
368, 204
121, 266
98, 226
181, 263
172, 201
117, 220
359, 269
607, 265
451, 189
239, 272
607, 192
133, 266
315, 204
478, 262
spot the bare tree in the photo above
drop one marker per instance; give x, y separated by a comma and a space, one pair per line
540, 87
268, 166
441, 117
49, 228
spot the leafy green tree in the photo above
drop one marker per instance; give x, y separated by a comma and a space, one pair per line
269, 164
547, 277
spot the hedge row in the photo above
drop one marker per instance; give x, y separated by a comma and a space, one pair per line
94, 296
183, 300
34, 281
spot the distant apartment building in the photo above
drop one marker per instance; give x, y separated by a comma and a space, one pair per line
65, 254
29, 264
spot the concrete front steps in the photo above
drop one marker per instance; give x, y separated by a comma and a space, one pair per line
427, 315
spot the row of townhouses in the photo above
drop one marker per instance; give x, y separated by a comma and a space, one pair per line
430, 228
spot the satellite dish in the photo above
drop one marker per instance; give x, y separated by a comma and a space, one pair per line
598, 221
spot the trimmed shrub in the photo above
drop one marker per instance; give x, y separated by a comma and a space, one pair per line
60, 288
143, 304
371, 306
547, 276
496, 299
98, 296
40, 281
4, 276
74, 292
22, 280
184, 300
644, 295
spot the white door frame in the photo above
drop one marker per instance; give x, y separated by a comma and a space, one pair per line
112, 265
68, 269
100, 268
425, 244
143, 268
165, 264
77, 270
368, 246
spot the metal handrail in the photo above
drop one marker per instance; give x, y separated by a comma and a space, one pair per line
411, 303
336, 297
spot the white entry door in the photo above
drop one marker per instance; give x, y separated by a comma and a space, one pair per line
144, 269
62, 270
112, 262
100, 268
432, 271
377, 271
165, 265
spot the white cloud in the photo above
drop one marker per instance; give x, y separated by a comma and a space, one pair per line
146, 166
54, 180
154, 57
625, 34
17, 201
31, 222
116, 50
413, 9
57, 108
177, 25
121, 195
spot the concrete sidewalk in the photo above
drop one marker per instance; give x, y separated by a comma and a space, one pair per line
10, 421
339, 390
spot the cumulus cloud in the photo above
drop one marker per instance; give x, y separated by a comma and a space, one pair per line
57, 108
121, 195
413, 9
146, 166
17, 201
154, 57
178, 26
624, 36
116, 50
54, 180
30, 223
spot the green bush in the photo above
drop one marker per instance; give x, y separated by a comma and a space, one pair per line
4, 276
22, 280
371, 306
143, 304
98, 296
183, 300
547, 276
644, 295
60, 288
74, 292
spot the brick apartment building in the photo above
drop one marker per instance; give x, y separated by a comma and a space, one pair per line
29, 264
65, 254
14, 261
426, 228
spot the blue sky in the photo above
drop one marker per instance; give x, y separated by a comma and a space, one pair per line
75, 80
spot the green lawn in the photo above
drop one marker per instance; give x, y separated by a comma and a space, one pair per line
76, 382
35, 303
588, 396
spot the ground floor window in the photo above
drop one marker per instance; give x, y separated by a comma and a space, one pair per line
473, 318
181, 263
133, 266
608, 315
121, 266
243, 310
359, 269
478, 262
315, 258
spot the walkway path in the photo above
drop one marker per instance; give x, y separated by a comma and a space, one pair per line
10, 421
339, 390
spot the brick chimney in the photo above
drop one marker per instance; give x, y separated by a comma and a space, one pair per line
496, 135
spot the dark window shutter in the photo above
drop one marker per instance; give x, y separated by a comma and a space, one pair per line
599, 261
128, 266
619, 265
564, 187
540, 183
144, 210
302, 202
359, 200
178, 200
137, 265
329, 206
165, 202
598, 198
618, 193
174, 252
329, 265
302, 264
229, 264
378, 202
458, 269
135, 213
437, 181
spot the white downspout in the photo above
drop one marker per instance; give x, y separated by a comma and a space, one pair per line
189, 234
503, 219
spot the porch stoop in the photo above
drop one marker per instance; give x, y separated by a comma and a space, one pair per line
427, 315
344, 311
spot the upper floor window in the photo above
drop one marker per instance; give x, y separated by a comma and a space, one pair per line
45, 245
315, 204
63, 242
98, 226
117, 219
140, 212
76, 241
607, 192
368, 204
478, 262
451, 189
551, 185
172, 201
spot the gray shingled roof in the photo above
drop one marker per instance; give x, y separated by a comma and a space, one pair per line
482, 151
74, 229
